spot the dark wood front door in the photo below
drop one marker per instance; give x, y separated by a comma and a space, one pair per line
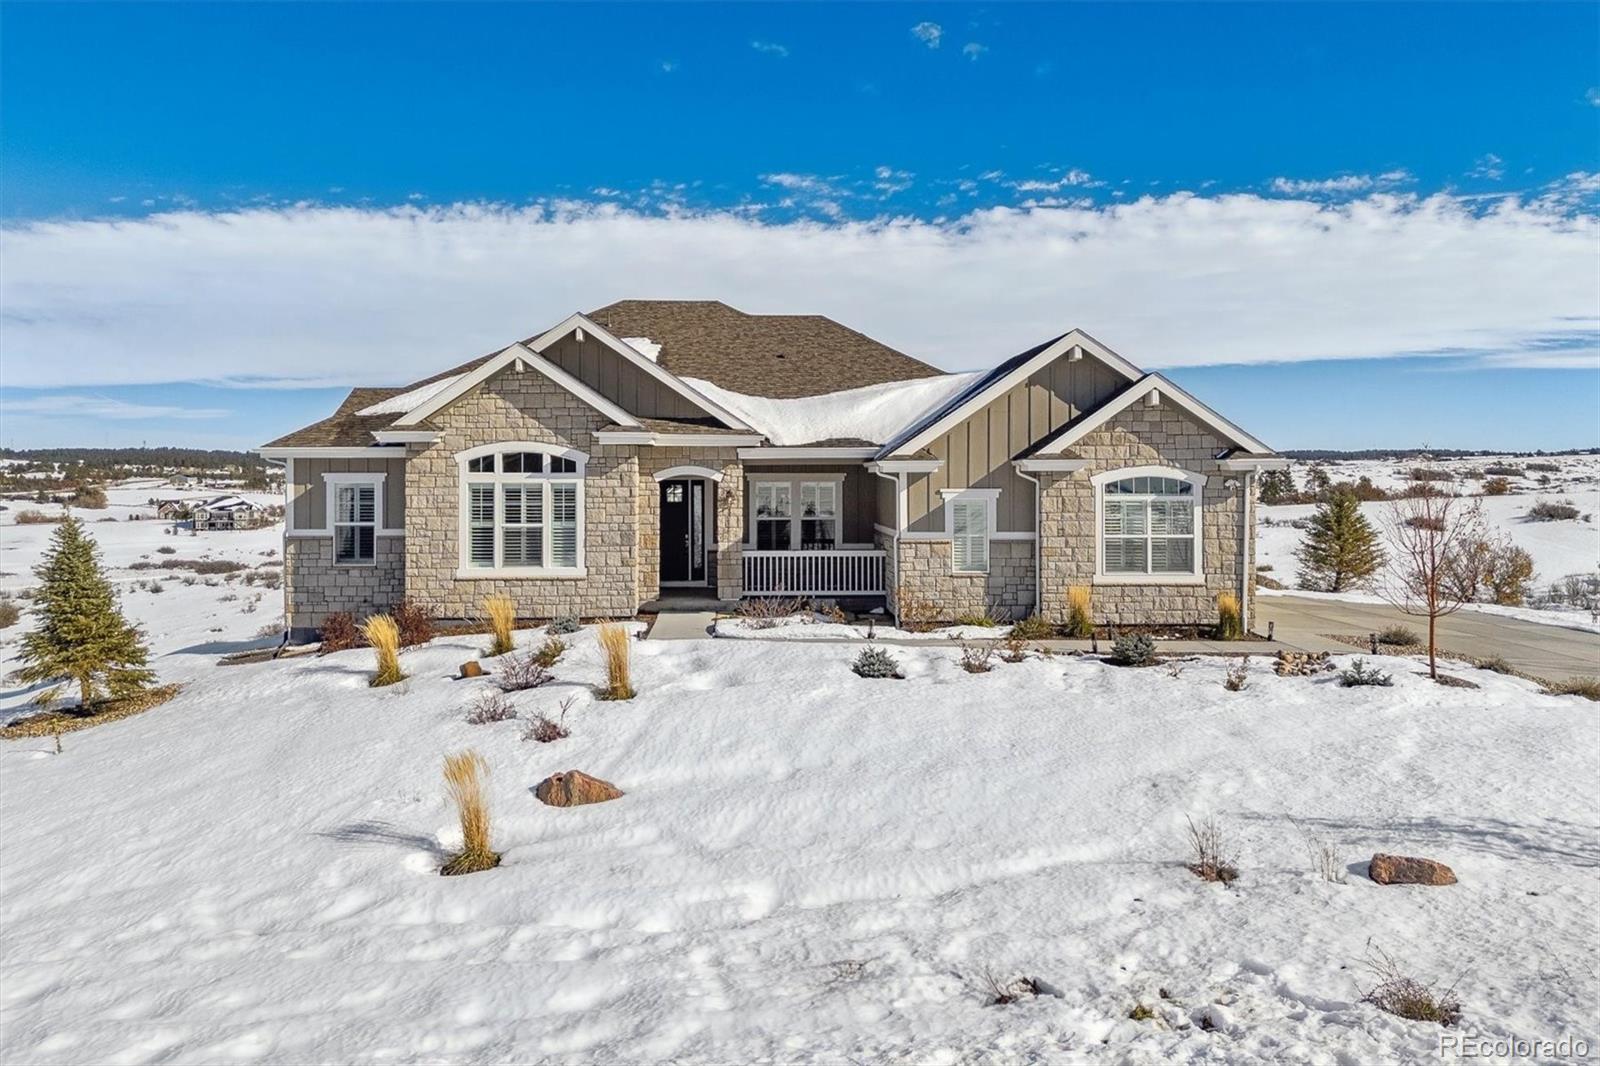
683, 510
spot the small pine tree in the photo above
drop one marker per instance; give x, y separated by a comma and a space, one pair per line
1277, 486
1341, 548
82, 635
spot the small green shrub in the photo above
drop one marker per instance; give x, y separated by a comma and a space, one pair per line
875, 662
1360, 676
1399, 636
1133, 649
564, 624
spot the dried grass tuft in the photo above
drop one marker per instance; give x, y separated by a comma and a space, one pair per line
545, 730
977, 657
502, 614
1230, 623
383, 634
615, 642
1394, 992
1237, 678
1080, 612
464, 774
1210, 860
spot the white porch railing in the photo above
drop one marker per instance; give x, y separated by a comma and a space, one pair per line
814, 573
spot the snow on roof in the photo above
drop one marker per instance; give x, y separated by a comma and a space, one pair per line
404, 402
645, 347
873, 413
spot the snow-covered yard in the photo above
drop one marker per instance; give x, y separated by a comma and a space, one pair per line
806, 866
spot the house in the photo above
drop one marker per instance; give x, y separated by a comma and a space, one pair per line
226, 512
653, 446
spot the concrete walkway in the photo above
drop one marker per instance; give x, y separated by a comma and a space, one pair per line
683, 625
1550, 652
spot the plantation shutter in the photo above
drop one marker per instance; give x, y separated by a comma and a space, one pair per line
355, 521
563, 524
480, 525
522, 526
970, 535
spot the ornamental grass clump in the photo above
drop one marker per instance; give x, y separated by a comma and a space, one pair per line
502, 614
464, 774
383, 634
1080, 616
615, 642
1230, 623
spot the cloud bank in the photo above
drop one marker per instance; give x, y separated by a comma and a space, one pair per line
335, 295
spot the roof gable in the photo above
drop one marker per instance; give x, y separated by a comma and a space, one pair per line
1164, 391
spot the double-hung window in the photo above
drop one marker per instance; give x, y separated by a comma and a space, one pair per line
1150, 524
522, 510
819, 515
774, 515
354, 505
969, 519
795, 513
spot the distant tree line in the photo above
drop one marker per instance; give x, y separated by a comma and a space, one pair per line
1328, 454
106, 458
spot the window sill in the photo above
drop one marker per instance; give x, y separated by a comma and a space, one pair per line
969, 573
1149, 579
565, 573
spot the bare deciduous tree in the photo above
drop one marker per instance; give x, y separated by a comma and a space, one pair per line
1428, 535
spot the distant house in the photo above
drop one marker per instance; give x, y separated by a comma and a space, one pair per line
656, 446
172, 510
227, 512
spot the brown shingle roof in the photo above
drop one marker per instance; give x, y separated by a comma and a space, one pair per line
781, 356
344, 428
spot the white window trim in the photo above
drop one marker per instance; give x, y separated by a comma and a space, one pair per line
464, 569
990, 498
793, 480
294, 532
330, 487
1099, 481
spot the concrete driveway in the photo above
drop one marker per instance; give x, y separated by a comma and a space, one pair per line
1549, 652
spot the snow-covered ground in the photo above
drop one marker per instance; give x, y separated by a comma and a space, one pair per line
188, 625
806, 865
1558, 548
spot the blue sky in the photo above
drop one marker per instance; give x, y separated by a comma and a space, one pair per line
1346, 226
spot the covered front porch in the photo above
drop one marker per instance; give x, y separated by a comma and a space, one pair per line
809, 531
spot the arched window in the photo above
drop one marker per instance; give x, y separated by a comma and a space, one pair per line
1148, 520
521, 510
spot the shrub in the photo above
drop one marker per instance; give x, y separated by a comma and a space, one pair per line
550, 651
1393, 992
167, 549
1502, 470
1552, 511
876, 662
1362, 676
1237, 679
1401, 636
384, 636
1545, 468
38, 518
490, 706
764, 612
615, 642
415, 622
463, 779
1000, 993
10, 613
1209, 853
1230, 623
564, 624
502, 614
91, 498
1587, 687
1508, 573
1326, 862
912, 613
983, 618
1423, 473
1014, 649
1496, 486
1080, 616
545, 730
977, 658
339, 631
1033, 628
1496, 664
517, 673
1133, 649
156, 586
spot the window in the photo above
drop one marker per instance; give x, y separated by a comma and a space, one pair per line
355, 522
522, 510
1149, 524
819, 515
773, 515
969, 535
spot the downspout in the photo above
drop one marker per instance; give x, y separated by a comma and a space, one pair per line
1247, 486
1038, 539
899, 481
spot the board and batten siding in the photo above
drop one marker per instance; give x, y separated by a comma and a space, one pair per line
309, 495
618, 380
978, 452
858, 500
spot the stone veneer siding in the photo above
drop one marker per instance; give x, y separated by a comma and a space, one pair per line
924, 571
314, 586
1140, 436
724, 562
523, 406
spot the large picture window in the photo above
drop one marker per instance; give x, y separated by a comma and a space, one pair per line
522, 511
796, 512
1149, 523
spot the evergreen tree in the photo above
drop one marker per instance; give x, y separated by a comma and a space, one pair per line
1341, 548
1277, 486
81, 635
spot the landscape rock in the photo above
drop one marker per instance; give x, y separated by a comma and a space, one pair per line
573, 788
471, 669
1301, 663
1408, 870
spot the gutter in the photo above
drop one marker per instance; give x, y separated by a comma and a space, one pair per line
899, 481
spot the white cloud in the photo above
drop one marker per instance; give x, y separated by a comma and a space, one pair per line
1488, 166
928, 33
1593, 96
667, 66
66, 405
972, 50
888, 181
809, 183
366, 296
1071, 177
771, 49
1346, 185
